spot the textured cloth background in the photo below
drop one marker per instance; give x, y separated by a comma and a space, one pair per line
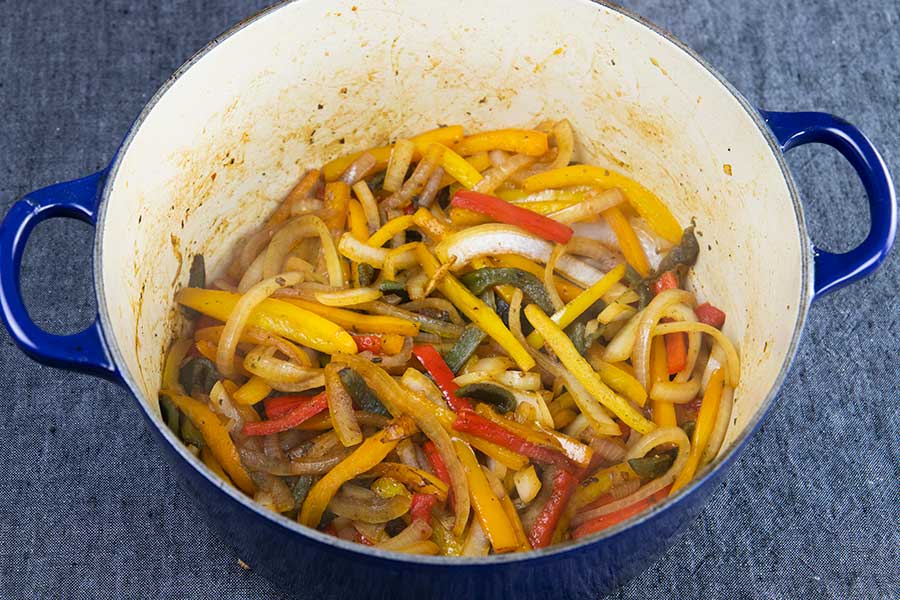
88, 507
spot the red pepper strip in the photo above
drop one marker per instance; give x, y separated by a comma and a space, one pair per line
282, 405
504, 212
442, 375
313, 406
666, 281
676, 351
605, 521
709, 314
545, 524
361, 539
421, 507
372, 343
438, 466
468, 421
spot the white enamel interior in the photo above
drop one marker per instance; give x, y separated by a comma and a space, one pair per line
313, 79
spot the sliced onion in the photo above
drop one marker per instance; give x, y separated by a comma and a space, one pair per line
237, 320
432, 187
340, 406
291, 234
398, 164
600, 231
221, 403
496, 176
537, 405
259, 361
649, 318
723, 419
600, 419
589, 208
565, 144
359, 168
306, 206
273, 493
257, 461
393, 360
715, 361
544, 363
254, 246
600, 255
476, 542
559, 250
657, 437
519, 380
369, 205
442, 328
361, 252
417, 531
253, 274
675, 392
348, 297
625, 489
420, 176
492, 239
609, 449
419, 382
731, 355
399, 258
367, 506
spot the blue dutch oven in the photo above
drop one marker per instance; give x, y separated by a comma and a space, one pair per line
224, 139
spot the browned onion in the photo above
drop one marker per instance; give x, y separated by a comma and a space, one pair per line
362, 504
359, 168
258, 461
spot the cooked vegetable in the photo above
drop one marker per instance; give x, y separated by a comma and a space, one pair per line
363, 352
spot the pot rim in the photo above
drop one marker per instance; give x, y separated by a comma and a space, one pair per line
555, 551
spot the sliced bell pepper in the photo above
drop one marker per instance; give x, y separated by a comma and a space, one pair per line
481, 279
487, 506
706, 420
628, 240
567, 291
390, 229
368, 342
709, 314
282, 318
576, 307
666, 281
606, 521
676, 352
475, 309
436, 462
520, 141
420, 509
464, 347
458, 168
368, 454
663, 412
281, 405
504, 212
562, 346
545, 524
419, 481
335, 207
355, 321
645, 202
253, 391
215, 435
472, 423
433, 362
310, 407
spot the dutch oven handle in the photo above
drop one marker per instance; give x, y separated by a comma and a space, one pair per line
833, 271
86, 350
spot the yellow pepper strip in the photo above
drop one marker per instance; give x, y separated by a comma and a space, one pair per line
216, 437
391, 343
628, 240
567, 291
663, 412
599, 483
520, 141
388, 487
251, 335
210, 461
253, 391
619, 379
430, 225
504, 456
390, 229
206, 349
357, 321
368, 454
560, 343
447, 543
415, 479
460, 170
544, 208
444, 135
475, 309
513, 515
276, 316
337, 198
487, 506
643, 200
173, 363
463, 217
479, 162
356, 218
574, 309
706, 420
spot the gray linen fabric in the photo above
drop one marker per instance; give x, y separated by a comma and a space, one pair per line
88, 507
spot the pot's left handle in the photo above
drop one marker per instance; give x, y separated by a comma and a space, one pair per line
86, 350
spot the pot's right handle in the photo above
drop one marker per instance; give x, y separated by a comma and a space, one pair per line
83, 351
833, 271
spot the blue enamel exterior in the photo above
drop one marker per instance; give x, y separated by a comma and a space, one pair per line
317, 564
83, 351
833, 271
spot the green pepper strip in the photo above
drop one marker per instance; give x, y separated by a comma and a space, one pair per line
491, 393
464, 347
362, 394
481, 279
